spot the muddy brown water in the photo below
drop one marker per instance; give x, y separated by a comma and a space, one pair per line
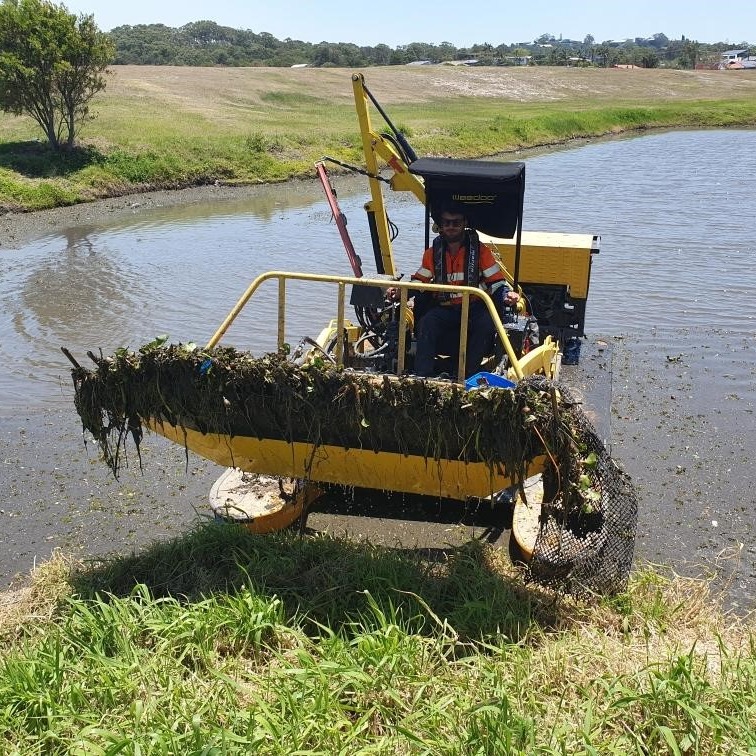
673, 295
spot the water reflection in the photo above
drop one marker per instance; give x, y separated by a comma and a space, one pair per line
80, 289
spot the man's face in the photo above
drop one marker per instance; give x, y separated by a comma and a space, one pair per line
452, 226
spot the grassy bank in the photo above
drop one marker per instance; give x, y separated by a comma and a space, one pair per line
222, 642
159, 128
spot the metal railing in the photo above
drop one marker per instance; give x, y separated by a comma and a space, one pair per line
404, 288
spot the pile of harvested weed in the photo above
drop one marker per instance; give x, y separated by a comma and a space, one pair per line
232, 393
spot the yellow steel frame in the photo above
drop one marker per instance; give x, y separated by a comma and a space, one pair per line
373, 468
545, 258
375, 146
365, 468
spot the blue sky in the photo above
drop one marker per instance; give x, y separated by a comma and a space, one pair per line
398, 22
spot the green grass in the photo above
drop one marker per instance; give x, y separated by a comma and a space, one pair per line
140, 140
223, 642
291, 100
489, 130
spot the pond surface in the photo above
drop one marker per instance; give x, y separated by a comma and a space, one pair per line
673, 289
676, 213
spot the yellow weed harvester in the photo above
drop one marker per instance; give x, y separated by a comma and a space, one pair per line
345, 409
552, 270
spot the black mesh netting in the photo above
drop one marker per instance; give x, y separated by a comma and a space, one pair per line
585, 542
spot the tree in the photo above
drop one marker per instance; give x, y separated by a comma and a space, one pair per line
381, 55
557, 57
51, 66
689, 55
660, 40
603, 54
446, 51
326, 54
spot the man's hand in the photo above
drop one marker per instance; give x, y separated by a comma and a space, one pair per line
511, 298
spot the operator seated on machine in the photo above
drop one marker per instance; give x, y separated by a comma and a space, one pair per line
457, 257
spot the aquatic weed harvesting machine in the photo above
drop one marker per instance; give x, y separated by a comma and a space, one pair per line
346, 410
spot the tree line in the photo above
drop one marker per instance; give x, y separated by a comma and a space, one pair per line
205, 43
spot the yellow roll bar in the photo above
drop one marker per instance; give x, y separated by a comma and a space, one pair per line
404, 287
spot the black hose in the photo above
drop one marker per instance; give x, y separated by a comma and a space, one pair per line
406, 148
398, 146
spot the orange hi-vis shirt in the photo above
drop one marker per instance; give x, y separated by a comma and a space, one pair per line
492, 276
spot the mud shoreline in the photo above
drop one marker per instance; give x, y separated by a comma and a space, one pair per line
60, 495
16, 229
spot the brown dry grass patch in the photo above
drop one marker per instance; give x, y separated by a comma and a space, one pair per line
30, 608
215, 91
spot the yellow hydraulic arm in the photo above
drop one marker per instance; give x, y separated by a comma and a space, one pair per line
376, 146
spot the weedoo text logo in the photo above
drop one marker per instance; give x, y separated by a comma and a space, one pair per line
475, 199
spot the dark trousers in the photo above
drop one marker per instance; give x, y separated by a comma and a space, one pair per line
438, 331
